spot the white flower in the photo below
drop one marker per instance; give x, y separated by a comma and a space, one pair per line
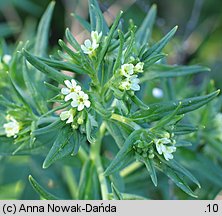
127, 70
6, 58
11, 128
130, 83
157, 92
89, 47
80, 101
164, 149
71, 89
67, 115
138, 68
96, 37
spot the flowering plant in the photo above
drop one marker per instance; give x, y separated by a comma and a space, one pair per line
105, 122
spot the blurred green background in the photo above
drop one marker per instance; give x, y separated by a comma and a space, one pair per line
198, 40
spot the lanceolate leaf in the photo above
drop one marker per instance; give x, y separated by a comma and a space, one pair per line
83, 22
43, 31
63, 65
150, 167
116, 194
49, 128
40, 190
108, 39
157, 47
166, 71
178, 180
145, 30
159, 110
124, 152
60, 148
44, 68
95, 16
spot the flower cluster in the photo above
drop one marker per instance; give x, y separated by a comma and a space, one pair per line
12, 127
79, 100
165, 146
90, 46
144, 149
130, 80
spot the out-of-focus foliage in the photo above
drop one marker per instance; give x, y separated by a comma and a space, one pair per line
198, 40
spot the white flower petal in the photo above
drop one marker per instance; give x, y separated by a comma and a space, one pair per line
70, 120
69, 96
80, 107
135, 87
88, 43
84, 49
87, 103
65, 91
73, 83
85, 97
167, 156
68, 84
64, 115
78, 88
74, 103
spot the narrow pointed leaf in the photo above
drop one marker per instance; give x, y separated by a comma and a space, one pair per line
157, 47
159, 110
40, 190
167, 71
124, 152
41, 42
44, 68
116, 194
60, 148
145, 30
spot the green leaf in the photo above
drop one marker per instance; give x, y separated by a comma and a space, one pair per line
168, 118
97, 19
49, 128
58, 64
157, 47
168, 71
44, 68
89, 131
153, 59
116, 194
120, 52
178, 180
124, 152
179, 168
115, 132
86, 182
70, 52
41, 42
40, 190
83, 22
40, 104
52, 87
181, 129
60, 148
159, 110
145, 30
108, 38
127, 196
6, 103
150, 167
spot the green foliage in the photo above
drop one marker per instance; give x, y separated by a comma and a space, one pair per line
97, 127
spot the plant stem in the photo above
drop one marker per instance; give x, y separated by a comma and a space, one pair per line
71, 181
95, 156
130, 169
